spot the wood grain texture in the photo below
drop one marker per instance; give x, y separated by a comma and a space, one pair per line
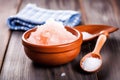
18, 67
5, 12
98, 12
105, 12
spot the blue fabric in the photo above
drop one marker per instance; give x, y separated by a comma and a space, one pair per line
31, 15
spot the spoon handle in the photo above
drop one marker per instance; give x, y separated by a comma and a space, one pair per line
100, 42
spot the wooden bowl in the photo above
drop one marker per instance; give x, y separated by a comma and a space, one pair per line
53, 54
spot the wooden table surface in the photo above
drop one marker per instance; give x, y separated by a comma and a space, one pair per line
15, 65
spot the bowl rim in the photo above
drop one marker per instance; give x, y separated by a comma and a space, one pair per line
79, 37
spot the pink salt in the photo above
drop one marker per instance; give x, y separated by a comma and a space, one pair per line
51, 33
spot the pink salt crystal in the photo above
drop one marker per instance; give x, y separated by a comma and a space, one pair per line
51, 33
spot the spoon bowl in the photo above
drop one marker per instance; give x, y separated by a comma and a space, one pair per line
93, 60
91, 55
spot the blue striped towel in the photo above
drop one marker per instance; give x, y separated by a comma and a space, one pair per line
31, 15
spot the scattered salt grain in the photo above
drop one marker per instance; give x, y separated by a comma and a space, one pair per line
91, 64
51, 33
63, 74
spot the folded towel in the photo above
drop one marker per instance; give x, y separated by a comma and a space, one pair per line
31, 15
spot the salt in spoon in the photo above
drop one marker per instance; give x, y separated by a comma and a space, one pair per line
93, 60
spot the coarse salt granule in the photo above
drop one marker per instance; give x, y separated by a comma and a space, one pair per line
87, 35
51, 33
91, 64
63, 74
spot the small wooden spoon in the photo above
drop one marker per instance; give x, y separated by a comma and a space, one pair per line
95, 53
92, 31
